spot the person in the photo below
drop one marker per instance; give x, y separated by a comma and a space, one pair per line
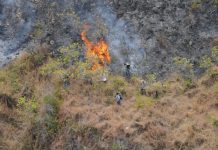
143, 87
66, 81
103, 79
127, 73
119, 98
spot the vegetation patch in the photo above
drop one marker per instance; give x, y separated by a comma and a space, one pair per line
7, 101
142, 101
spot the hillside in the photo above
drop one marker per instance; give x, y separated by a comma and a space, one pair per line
151, 33
39, 111
108, 75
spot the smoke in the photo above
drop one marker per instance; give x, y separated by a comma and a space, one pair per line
9, 2
16, 20
124, 43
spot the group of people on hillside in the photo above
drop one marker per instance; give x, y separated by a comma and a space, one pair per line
119, 97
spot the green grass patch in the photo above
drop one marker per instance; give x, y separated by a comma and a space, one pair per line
115, 147
142, 101
215, 122
215, 87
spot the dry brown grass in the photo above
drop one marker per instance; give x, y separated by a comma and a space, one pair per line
177, 121
180, 118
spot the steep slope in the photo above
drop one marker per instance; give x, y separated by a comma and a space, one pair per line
183, 121
151, 33
38, 110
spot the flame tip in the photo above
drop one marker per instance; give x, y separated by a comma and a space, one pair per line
100, 49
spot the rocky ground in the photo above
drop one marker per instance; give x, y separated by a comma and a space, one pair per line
152, 33
50, 99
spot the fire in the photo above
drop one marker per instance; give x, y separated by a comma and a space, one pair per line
99, 50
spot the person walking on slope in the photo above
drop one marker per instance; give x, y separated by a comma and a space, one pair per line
119, 98
143, 87
127, 71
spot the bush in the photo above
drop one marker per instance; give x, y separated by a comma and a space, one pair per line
206, 62
118, 83
185, 66
13, 79
70, 54
47, 69
28, 105
31, 61
216, 2
215, 87
135, 81
38, 30
142, 101
155, 90
215, 123
215, 54
151, 78
52, 103
188, 84
196, 5
115, 147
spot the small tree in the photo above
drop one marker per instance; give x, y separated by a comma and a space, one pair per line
185, 66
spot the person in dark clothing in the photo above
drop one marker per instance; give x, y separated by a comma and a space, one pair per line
119, 98
66, 81
143, 87
127, 72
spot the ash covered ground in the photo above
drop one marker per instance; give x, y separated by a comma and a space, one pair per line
147, 34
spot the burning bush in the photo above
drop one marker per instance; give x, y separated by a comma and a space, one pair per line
98, 52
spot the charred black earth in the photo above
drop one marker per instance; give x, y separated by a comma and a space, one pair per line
148, 34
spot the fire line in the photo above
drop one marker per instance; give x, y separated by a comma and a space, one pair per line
99, 50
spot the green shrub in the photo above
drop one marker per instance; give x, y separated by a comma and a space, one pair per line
3, 75
151, 78
196, 5
206, 62
53, 103
215, 87
118, 83
38, 30
188, 83
47, 69
70, 54
185, 66
216, 2
14, 79
123, 91
215, 54
28, 105
135, 80
52, 124
215, 123
115, 147
142, 101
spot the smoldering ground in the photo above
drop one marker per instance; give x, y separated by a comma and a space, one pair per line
125, 44
18, 18
16, 21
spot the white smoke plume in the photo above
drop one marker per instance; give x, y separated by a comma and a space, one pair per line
16, 20
124, 42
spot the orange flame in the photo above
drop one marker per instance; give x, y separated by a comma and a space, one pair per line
99, 50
